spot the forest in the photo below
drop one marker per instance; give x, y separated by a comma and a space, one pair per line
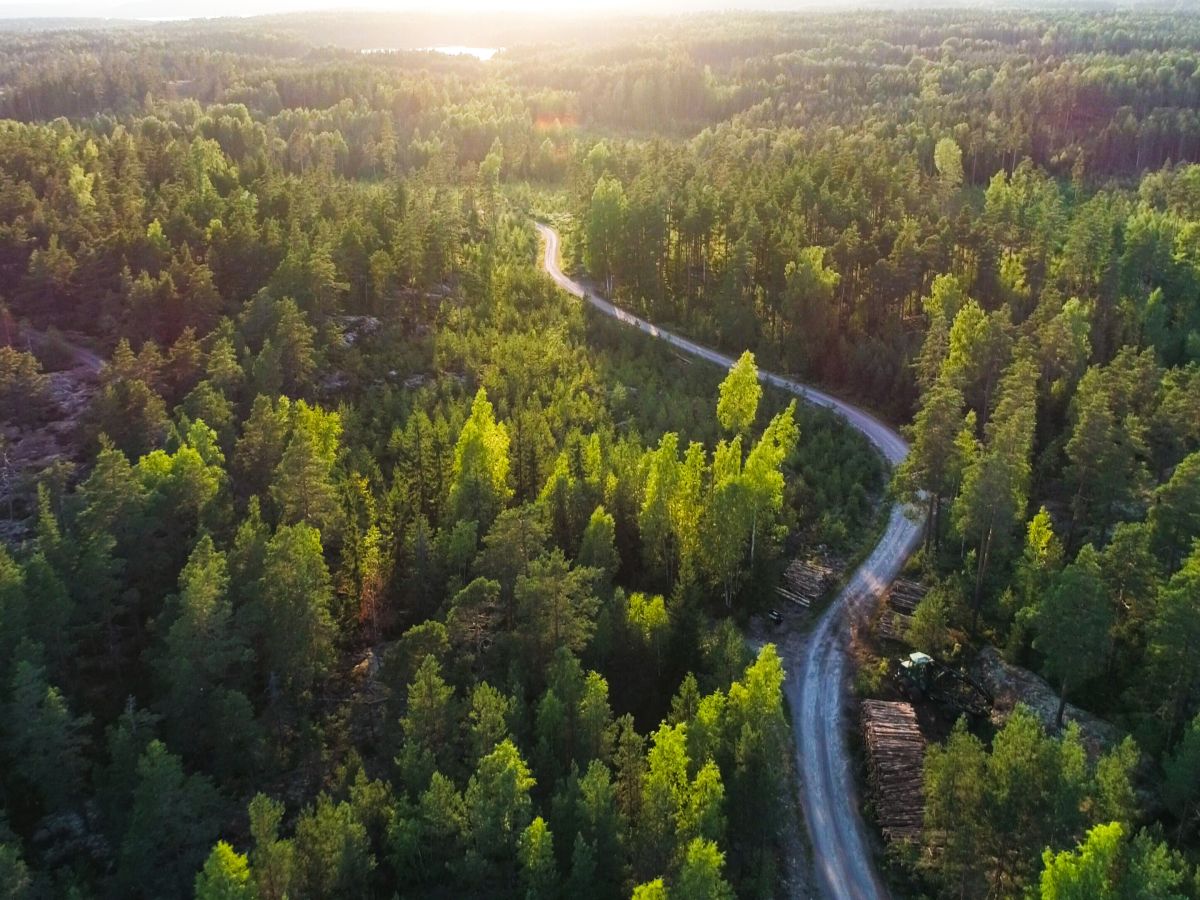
345, 556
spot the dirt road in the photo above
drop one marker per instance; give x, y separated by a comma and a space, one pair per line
816, 681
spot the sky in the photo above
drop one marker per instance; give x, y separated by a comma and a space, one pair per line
182, 9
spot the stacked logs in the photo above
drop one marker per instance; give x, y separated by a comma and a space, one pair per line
905, 594
896, 751
806, 581
893, 625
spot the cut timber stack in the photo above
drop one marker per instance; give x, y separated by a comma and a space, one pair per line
897, 762
905, 594
806, 581
893, 625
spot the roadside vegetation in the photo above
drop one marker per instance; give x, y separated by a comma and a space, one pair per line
377, 565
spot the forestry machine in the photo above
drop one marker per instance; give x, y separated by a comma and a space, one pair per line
922, 676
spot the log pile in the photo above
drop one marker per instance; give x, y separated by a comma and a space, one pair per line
896, 751
905, 594
806, 581
893, 625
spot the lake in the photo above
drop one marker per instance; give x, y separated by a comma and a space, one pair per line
483, 53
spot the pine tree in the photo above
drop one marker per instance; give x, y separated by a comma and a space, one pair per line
1107, 866
303, 487
933, 468
1181, 790
605, 230
557, 604
539, 872
173, 820
763, 472
654, 520
44, 743
261, 446
1174, 660
995, 485
295, 596
498, 805
1073, 623
1174, 516
272, 860
203, 656
333, 851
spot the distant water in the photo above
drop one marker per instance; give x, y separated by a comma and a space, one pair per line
483, 53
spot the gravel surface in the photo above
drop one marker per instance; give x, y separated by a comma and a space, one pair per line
817, 671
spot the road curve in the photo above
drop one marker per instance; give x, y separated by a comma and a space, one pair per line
816, 677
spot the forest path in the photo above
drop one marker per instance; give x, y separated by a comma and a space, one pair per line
82, 358
816, 679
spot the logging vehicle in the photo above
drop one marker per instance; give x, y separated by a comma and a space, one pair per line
920, 676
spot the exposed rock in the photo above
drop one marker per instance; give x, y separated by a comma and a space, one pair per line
367, 669
1011, 685
28, 451
355, 328
334, 383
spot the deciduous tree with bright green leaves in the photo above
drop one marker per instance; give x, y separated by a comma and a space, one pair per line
738, 396
479, 485
225, 876
1108, 865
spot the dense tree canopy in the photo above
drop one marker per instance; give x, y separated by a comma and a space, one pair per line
316, 492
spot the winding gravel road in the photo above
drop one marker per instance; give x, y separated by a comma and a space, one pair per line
816, 682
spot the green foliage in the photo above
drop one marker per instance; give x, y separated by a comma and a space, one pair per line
539, 874
272, 860
525, 512
45, 742
23, 391
1182, 788
947, 157
428, 724
651, 890
1109, 865
598, 548
479, 481
995, 485
1073, 622
498, 806
999, 810
934, 466
557, 604
302, 487
700, 874
203, 660
294, 595
739, 394
929, 630
333, 851
173, 819
1174, 669
605, 228
15, 875
225, 876
1174, 516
